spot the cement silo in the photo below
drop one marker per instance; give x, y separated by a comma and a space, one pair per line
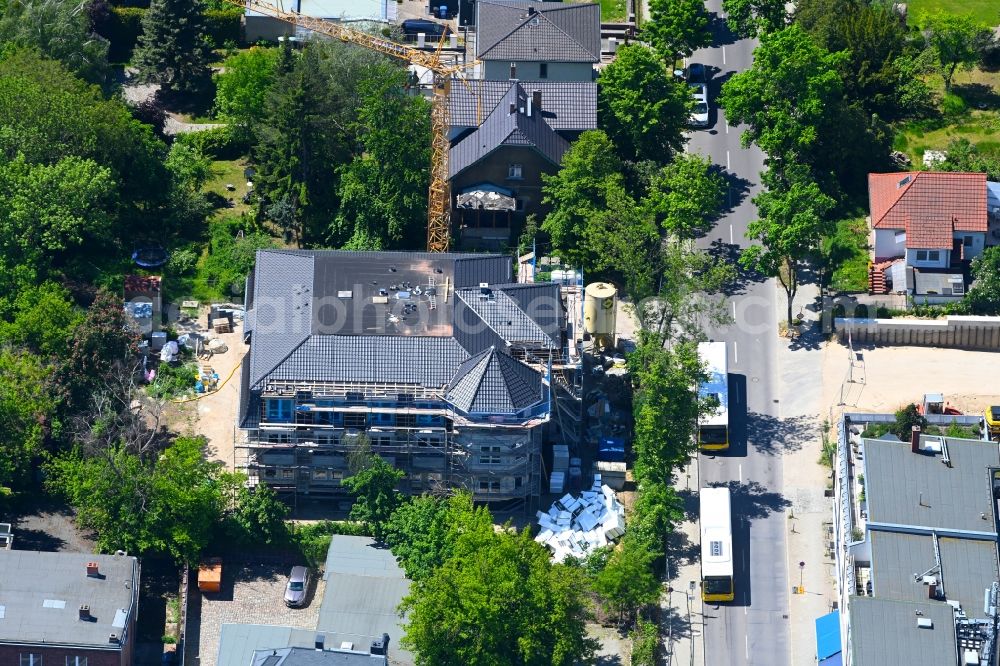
599, 313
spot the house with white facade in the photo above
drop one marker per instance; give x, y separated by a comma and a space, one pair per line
926, 226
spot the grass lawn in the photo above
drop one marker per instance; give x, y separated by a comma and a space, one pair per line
847, 252
980, 124
228, 172
986, 11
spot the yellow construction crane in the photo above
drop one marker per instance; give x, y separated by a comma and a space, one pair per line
439, 197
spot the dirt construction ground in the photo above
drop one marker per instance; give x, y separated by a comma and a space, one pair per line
887, 378
217, 411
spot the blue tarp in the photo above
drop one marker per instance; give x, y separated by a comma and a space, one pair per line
611, 449
835, 660
828, 636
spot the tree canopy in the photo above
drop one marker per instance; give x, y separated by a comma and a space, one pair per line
676, 28
686, 194
754, 18
984, 297
173, 50
27, 410
375, 494
954, 39
641, 106
242, 87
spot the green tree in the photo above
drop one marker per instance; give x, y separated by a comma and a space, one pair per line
26, 416
47, 212
257, 515
906, 418
41, 320
499, 601
984, 297
383, 190
173, 50
100, 345
755, 18
643, 108
58, 30
299, 146
625, 241
589, 174
953, 38
791, 224
666, 406
627, 583
677, 28
188, 166
422, 532
787, 98
242, 87
686, 195
375, 494
169, 504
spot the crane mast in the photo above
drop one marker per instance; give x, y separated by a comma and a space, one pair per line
439, 195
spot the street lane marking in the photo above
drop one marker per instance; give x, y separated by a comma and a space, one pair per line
741, 472
730, 234
723, 55
736, 355
747, 639
726, 122
734, 313
727, 160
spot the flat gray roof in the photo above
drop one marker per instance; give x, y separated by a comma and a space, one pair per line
885, 632
969, 567
364, 586
41, 595
919, 491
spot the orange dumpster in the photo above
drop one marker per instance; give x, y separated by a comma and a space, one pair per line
210, 574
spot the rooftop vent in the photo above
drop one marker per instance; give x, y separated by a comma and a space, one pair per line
320, 640
925, 623
113, 638
85, 613
380, 646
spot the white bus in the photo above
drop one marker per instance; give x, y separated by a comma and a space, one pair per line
713, 429
716, 545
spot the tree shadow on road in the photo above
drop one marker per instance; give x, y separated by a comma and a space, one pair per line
737, 189
722, 34
730, 254
774, 436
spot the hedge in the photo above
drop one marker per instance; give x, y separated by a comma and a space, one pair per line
125, 26
218, 143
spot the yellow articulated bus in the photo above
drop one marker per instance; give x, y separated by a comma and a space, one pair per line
716, 545
713, 429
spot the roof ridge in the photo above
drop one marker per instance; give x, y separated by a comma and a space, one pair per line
284, 358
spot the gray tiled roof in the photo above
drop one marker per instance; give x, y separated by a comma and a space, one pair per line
41, 594
504, 315
503, 128
556, 32
916, 490
566, 105
494, 383
885, 632
422, 361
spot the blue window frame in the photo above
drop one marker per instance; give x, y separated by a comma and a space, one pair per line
279, 411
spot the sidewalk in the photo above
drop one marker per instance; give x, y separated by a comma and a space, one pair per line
800, 364
681, 605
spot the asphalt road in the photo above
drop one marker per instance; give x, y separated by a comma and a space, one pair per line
754, 629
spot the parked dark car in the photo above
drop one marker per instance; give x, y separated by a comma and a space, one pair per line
413, 27
696, 73
298, 585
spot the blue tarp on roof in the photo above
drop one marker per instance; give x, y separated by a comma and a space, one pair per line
828, 636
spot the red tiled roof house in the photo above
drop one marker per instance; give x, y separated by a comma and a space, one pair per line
934, 221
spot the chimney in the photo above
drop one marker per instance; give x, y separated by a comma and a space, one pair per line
915, 439
536, 100
380, 646
532, 11
85, 613
932, 591
320, 640
93, 570
113, 638
513, 70
513, 108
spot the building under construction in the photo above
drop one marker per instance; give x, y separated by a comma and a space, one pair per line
447, 367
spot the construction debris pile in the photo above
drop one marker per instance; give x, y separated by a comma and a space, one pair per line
576, 526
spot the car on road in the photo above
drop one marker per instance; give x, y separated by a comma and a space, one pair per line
699, 113
298, 585
696, 73
432, 29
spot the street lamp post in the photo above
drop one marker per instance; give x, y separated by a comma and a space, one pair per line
802, 567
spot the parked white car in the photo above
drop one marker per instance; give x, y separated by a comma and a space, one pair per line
699, 114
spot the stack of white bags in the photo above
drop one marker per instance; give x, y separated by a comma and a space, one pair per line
576, 526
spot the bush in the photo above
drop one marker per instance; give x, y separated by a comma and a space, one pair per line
223, 25
313, 540
953, 105
172, 381
123, 30
645, 641
218, 143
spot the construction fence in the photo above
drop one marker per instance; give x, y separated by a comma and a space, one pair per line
960, 332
